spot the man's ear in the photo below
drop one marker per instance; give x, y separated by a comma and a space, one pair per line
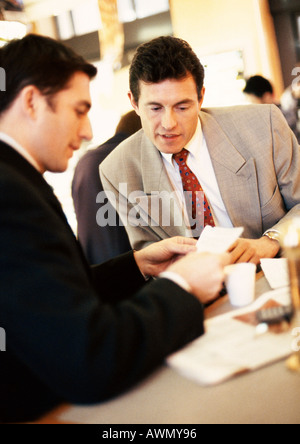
30, 101
201, 98
133, 103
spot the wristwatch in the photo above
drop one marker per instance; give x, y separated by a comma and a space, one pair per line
273, 235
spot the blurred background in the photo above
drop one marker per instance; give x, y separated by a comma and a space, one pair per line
234, 40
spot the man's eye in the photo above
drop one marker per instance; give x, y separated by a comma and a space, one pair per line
80, 113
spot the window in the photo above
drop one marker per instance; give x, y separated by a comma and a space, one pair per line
86, 17
130, 10
83, 19
142, 20
126, 10
145, 9
65, 25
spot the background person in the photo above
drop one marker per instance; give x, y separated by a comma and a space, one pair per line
290, 103
259, 90
100, 243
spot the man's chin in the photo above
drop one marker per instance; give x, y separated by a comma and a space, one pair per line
170, 145
62, 168
169, 150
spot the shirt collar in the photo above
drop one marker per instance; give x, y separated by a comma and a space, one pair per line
22, 151
193, 146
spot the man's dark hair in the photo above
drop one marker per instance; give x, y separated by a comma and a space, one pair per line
164, 58
258, 86
39, 61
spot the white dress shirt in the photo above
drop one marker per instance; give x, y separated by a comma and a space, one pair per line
199, 162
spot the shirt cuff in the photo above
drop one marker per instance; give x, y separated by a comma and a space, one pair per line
177, 279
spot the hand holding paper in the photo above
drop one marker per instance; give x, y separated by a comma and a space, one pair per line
204, 274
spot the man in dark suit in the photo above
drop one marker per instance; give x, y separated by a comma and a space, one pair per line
75, 334
99, 239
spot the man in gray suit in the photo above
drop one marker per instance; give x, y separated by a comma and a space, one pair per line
245, 158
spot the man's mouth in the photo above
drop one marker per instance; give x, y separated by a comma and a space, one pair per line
169, 136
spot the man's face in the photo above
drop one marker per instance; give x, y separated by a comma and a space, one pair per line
62, 127
169, 112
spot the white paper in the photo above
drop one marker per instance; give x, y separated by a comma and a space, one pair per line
217, 239
230, 346
276, 272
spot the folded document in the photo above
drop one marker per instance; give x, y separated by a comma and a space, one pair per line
233, 345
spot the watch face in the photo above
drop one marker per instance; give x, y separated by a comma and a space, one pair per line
272, 235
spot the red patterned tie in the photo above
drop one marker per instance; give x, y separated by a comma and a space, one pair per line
198, 207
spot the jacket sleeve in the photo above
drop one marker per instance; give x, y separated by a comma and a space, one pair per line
137, 223
113, 275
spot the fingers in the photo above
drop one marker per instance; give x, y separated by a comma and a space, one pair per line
213, 277
185, 240
225, 259
242, 251
180, 245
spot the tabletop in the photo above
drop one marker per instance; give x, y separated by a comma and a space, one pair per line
266, 396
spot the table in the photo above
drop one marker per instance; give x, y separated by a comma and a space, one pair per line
268, 396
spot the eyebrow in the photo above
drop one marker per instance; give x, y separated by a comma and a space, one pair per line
84, 103
182, 102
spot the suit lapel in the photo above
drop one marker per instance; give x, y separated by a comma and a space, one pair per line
236, 177
13, 158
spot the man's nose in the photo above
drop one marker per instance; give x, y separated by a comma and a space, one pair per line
169, 120
86, 132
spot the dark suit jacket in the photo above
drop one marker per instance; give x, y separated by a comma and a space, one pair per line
73, 334
99, 243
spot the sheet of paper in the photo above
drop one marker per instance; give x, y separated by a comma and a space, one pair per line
276, 272
218, 240
230, 346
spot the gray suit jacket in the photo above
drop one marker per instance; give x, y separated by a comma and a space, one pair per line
256, 160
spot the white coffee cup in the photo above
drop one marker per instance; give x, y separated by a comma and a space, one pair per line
240, 283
